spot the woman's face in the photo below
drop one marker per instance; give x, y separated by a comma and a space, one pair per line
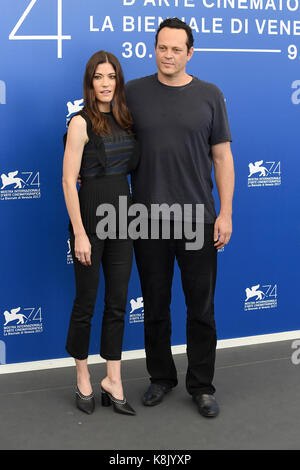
104, 84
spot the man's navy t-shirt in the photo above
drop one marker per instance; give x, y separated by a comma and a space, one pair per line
176, 127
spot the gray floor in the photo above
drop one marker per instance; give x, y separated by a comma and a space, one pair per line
258, 390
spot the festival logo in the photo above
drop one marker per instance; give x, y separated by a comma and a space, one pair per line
260, 296
20, 185
136, 314
18, 321
264, 174
73, 107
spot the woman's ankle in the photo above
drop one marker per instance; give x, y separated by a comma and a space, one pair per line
113, 386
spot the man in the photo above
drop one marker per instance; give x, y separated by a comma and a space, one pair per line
182, 127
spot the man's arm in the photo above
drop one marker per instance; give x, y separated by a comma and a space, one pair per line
224, 176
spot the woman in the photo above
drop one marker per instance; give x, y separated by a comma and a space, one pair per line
100, 146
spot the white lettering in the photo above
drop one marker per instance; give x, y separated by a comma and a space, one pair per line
170, 3
128, 23
243, 4
296, 94
270, 4
92, 24
295, 356
258, 5
208, 5
238, 25
291, 5
146, 3
150, 24
260, 29
107, 24
278, 27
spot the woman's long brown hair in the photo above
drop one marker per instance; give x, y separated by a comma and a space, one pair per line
120, 111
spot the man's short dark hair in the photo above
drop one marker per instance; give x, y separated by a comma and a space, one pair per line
176, 23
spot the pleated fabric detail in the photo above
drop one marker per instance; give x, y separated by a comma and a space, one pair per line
96, 191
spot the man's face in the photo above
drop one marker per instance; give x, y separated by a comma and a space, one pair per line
171, 52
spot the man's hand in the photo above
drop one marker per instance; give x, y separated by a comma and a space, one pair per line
79, 180
222, 231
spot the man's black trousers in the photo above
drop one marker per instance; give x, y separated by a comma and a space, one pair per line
155, 263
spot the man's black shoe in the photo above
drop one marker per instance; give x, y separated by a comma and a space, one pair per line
155, 394
207, 405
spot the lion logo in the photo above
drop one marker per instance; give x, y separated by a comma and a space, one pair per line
74, 107
10, 178
136, 304
257, 168
253, 292
14, 315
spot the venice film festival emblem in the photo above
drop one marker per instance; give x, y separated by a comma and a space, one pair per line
261, 297
136, 314
19, 321
73, 107
264, 174
20, 185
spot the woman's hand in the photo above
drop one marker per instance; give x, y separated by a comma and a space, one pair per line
83, 249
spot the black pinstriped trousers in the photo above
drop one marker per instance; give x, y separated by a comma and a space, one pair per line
116, 259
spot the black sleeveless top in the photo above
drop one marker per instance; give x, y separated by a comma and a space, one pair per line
106, 162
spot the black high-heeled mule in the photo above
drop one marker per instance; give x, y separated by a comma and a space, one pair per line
120, 406
85, 403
